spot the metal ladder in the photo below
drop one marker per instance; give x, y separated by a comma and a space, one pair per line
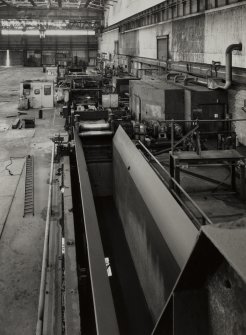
29, 187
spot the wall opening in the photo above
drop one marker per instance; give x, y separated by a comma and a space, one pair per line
116, 47
162, 47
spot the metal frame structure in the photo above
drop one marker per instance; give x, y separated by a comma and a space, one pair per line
171, 10
208, 158
50, 4
175, 189
41, 13
45, 23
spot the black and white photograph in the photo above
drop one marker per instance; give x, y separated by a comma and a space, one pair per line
122, 167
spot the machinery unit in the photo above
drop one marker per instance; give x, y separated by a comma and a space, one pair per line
204, 104
62, 71
40, 93
156, 100
110, 100
155, 103
121, 85
85, 90
51, 70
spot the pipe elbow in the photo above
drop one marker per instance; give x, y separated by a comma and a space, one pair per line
229, 50
232, 47
227, 85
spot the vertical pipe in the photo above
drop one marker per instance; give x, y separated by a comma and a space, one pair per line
229, 50
7, 59
172, 137
41, 302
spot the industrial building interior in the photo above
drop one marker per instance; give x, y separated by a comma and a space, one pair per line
122, 167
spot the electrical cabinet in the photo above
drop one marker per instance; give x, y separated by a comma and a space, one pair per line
204, 104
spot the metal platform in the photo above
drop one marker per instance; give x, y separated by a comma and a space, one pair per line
210, 157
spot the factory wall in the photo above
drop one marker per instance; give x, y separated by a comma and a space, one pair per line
53, 48
48, 43
221, 29
106, 42
200, 38
3, 57
188, 39
125, 8
237, 99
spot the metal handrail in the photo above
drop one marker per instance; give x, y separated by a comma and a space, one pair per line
196, 123
199, 120
39, 327
205, 218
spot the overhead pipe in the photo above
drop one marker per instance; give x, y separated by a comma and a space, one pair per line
201, 70
229, 50
212, 83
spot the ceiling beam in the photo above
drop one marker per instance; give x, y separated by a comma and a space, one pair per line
45, 13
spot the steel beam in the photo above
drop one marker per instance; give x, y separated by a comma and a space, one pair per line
72, 309
210, 180
176, 228
159, 233
105, 315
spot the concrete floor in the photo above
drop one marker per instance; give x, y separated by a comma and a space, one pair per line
21, 243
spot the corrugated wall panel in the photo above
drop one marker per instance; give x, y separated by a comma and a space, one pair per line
3, 58
16, 58
49, 43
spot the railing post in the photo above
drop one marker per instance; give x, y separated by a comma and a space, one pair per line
172, 136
